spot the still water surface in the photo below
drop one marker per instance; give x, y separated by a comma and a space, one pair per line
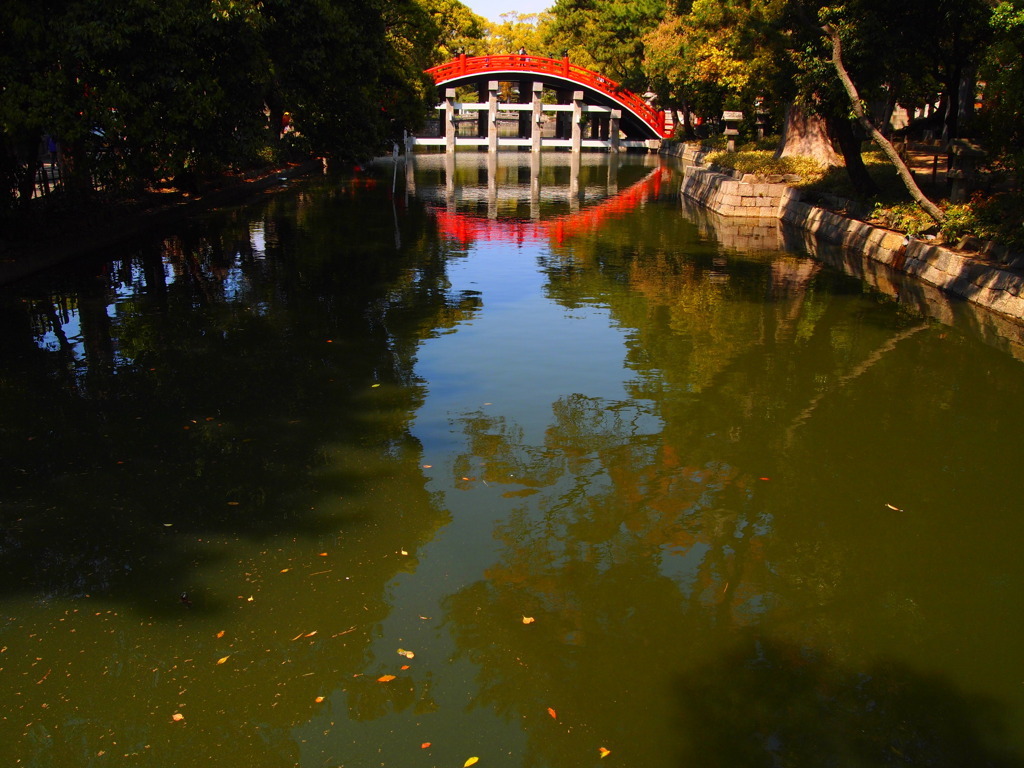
516, 465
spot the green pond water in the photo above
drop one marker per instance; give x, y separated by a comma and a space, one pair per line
517, 463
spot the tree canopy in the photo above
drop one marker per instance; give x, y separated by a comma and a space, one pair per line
131, 92
134, 92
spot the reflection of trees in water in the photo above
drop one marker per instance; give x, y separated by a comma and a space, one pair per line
599, 556
203, 370
766, 703
644, 539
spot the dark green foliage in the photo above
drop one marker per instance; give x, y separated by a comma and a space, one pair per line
139, 91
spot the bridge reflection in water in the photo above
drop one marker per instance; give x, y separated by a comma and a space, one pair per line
535, 196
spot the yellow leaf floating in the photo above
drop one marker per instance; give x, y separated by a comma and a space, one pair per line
604, 752
528, 619
177, 716
319, 699
222, 659
385, 678
471, 761
407, 654
552, 713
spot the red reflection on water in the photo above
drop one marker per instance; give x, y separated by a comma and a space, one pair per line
466, 228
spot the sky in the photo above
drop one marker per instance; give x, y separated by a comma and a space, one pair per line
492, 9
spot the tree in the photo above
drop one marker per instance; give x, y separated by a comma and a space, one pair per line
862, 118
1002, 112
529, 31
458, 30
607, 35
135, 92
709, 56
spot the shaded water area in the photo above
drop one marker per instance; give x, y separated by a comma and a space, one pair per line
517, 465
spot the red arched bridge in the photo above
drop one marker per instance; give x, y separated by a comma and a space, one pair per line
609, 108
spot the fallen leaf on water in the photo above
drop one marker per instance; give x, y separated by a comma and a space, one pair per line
895, 509
285, 570
385, 678
234, 503
528, 619
404, 667
323, 554
177, 716
425, 745
471, 761
374, 386
312, 633
248, 599
765, 479
296, 637
220, 634
319, 699
427, 466
604, 752
407, 654
222, 659
552, 713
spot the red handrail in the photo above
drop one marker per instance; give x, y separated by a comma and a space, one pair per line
469, 65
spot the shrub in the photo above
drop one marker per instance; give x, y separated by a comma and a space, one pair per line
904, 217
763, 162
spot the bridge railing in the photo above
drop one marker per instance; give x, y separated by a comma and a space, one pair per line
471, 65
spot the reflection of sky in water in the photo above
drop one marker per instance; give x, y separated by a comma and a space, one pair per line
517, 328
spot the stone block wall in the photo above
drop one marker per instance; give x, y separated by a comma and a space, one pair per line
961, 274
994, 286
731, 196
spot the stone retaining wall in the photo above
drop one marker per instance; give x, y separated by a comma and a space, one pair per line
960, 274
730, 196
981, 282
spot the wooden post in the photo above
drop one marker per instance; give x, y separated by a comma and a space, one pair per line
577, 119
613, 129
449, 120
536, 132
492, 116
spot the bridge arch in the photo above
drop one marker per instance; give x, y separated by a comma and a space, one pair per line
639, 119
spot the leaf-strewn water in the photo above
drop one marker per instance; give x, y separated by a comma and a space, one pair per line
519, 463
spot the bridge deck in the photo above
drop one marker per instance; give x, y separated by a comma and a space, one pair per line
600, 93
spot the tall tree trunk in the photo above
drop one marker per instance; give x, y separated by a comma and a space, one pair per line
886, 146
850, 141
806, 134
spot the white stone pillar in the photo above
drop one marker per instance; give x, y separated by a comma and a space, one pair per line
449, 120
492, 116
536, 131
